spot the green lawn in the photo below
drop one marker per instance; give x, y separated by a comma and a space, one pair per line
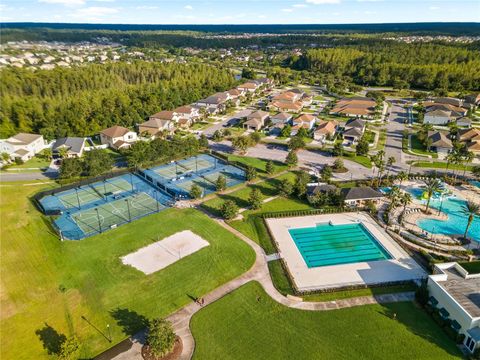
51, 287
34, 162
473, 267
258, 164
417, 147
283, 285
248, 324
254, 227
440, 165
359, 159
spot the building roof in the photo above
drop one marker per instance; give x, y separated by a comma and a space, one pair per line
464, 120
164, 115
115, 131
361, 193
469, 134
439, 139
74, 144
186, 109
155, 123
353, 132
248, 85
355, 123
259, 114
465, 291
288, 105
320, 188
448, 100
23, 138
282, 116
326, 127
21, 152
218, 98
305, 118
234, 92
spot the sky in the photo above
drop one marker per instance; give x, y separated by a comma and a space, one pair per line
239, 11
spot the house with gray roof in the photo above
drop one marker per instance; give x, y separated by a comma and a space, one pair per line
74, 147
358, 196
440, 142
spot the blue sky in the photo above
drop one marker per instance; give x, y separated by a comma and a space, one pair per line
239, 11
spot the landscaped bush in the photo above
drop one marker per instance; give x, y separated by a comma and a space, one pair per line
421, 295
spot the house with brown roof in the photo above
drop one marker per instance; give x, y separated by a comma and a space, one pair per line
442, 113
187, 112
361, 107
118, 137
291, 101
214, 103
325, 130
248, 87
256, 120
471, 137
473, 99
155, 127
281, 118
440, 142
23, 146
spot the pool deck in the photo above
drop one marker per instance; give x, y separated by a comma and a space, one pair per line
400, 268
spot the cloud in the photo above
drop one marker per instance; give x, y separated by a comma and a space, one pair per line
261, 16
146, 7
320, 2
287, 10
188, 7
433, 8
64, 2
94, 13
300, 5
369, 0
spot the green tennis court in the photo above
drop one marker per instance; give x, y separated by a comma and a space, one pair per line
113, 186
196, 164
203, 183
115, 213
169, 172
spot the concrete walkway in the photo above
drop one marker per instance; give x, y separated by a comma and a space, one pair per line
258, 272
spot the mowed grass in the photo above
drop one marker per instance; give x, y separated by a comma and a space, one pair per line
258, 164
248, 324
52, 288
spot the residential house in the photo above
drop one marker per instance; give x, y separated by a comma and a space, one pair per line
471, 137
442, 113
256, 120
361, 107
281, 118
448, 101
292, 101
248, 87
154, 127
437, 117
353, 130
325, 130
265, 83
440, 142
358, 196
455, 295
235, 96
187, 112
473, 99
306, 121
74, 147
118, 137
464, 122
316, 188
23, 146
214, 103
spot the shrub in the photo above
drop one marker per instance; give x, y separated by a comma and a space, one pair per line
160, 338
421, 295
229, 210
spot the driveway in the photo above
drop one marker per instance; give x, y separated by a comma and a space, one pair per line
226, 119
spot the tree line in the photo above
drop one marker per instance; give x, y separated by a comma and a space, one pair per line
422, 66
81, 101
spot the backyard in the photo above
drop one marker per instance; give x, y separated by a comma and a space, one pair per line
52, 289
248, 322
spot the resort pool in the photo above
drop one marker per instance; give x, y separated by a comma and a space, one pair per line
457, 220
327, 244
475, 183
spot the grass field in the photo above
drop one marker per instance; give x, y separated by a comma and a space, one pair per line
419, 148
258, 164
441, 165
52, 289
34, 162
473, 267
282, 284
248, 324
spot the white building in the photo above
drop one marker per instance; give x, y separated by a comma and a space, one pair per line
23, 146
456, 294
118, 137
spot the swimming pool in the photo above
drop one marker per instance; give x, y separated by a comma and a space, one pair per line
327, 244
475, 183
457, 220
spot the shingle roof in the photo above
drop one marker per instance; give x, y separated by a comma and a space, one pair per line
115, 131
439, 139
74, 144
24, 138
361, 193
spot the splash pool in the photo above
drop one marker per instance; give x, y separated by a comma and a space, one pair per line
457, 220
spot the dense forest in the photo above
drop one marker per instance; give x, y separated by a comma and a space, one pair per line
421, 66
84, 100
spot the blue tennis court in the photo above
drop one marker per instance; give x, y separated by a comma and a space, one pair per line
327, 244
178, 177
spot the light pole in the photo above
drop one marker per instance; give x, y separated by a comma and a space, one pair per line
99, 222
109, 333
128, 209
78, 199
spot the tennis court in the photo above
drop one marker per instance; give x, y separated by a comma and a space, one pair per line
115, 213
79, 197
198, 163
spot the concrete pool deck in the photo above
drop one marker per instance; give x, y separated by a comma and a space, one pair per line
400, 268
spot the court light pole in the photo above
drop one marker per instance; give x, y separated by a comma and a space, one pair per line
105, 188
128, 209
131, 181
78, 199
196, 164
98, 218
156, 199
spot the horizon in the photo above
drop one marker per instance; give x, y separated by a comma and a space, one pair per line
214, 12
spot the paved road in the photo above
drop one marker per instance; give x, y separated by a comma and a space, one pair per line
26, 176
226, 119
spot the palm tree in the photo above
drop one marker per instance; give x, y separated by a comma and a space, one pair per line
432, 186
62, 152
405, 200
394, 195
471, 210
467, 158
402, 176
390, 161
